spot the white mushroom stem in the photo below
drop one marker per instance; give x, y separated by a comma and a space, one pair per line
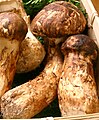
27, 100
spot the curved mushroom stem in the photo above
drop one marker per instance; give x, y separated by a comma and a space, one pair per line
27, 100
77, 88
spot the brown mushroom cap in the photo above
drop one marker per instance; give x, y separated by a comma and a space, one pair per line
58, 19
81, 43
12, 26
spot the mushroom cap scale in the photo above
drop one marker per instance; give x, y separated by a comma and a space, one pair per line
58, 19
12, 26
80, 43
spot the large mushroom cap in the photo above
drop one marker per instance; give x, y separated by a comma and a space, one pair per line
58, 19
81, 43
12, 26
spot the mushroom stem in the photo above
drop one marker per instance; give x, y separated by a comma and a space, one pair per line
27, 100
77, 88
10, 39
8, 58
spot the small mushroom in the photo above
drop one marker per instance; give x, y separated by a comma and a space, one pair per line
13, 30
77, 92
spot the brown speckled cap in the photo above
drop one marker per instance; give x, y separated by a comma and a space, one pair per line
80, 43
58, 19
12, 26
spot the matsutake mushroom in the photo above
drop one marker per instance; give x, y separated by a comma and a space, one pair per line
77, 90
32, 51
13, 30
54, 22
59, 18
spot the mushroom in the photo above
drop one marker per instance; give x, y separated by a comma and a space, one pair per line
77, 92
28, 99
32, 52
12, 31
59, 18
